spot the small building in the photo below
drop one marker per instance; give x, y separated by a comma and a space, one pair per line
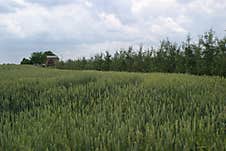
51, 60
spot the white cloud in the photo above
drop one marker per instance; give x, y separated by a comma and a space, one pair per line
208, 7
70, 21
79, 27
114, 24
20, 2
166, 25
111, 20
88, 4
58, 21
138, 5
25, 23
169, 7
155, 7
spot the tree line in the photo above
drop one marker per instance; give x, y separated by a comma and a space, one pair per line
207, 56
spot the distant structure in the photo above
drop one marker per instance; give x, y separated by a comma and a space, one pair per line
51, 60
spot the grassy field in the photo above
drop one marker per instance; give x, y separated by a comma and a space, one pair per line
48, 109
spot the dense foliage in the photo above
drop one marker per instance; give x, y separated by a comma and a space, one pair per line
50, 109
205, 57
37, 58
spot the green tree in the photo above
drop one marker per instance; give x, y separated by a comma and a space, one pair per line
219, 60
148, 60
189, 56
138, 63
180, 61
208, 56
198, 69
208, 43
25, 61
107, 61
38, 58
98, 62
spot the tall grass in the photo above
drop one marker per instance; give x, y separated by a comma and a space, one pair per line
48, 109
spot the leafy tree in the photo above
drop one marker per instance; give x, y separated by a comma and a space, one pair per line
148, 63
198, 69
208, 44
138, 63
219, 60
180, 61
189, 56
37, 57
207, 56
98, 62
129, 60
107, 61
25, 61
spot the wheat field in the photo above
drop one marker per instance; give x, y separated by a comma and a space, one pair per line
48, 109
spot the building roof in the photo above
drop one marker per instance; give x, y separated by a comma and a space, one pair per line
52, 57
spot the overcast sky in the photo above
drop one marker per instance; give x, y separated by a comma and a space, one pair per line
75, 28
